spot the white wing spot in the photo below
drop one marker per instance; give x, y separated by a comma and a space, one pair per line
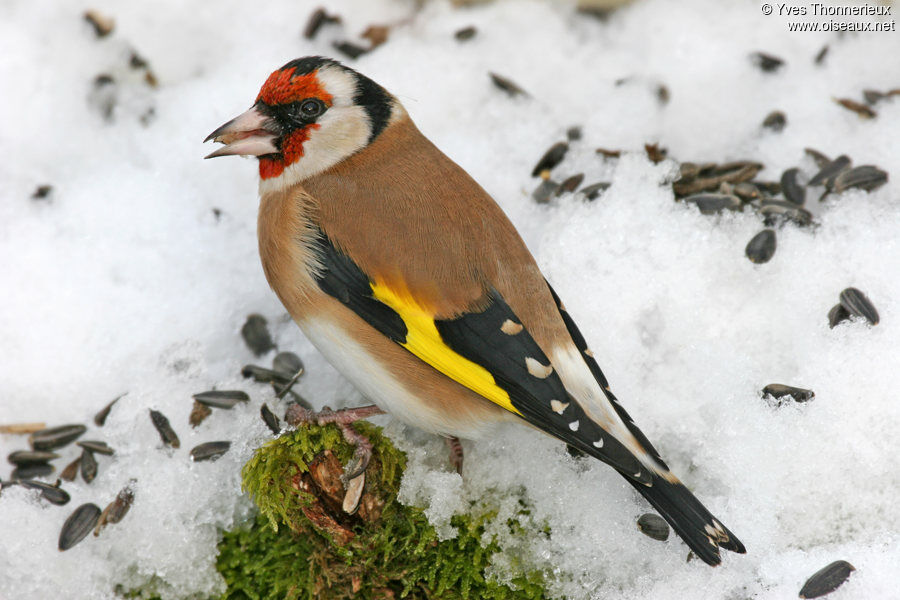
574, 425
510, 327
558, 407
536, 369
598, 443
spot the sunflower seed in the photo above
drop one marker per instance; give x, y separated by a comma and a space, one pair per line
102, 25
349, 49
20, 428
836, 315
221, 398
88, 466
51, 493
856, 303
779, 391
570, 184
710, 204
263, 375
71, 470
287, 364
209, 451
256, 334
42, 192
662, 94
551, 158
316, 20
30, 457
775, 120
595, 189
544, 191
829, 172
858, 107
769, 188
766, 62
605, 153
466, 33
772, 210
791, 188
198, 414
55, 437
865, 177
507, 85
116, 510
100, 417
270, 419
653, 526
747, 191
33, 471
820, 159
573, 134
821, 54
166, 434
78, 525
96, 447
761, 247
826, 580
873, 96
710, 177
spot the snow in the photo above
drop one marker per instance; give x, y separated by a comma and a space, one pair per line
125, 281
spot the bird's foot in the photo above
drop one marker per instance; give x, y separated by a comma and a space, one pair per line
456, 452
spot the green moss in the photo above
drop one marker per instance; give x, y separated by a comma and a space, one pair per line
284, 554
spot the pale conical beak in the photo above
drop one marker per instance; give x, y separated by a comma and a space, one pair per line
250, 134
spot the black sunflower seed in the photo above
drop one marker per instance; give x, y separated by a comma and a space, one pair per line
856, 303
51, 493
819, 158
466, 33
55, 437
270, 419
33, 471
710, 204
761, 248
766, 62
287, 364
264, 375
96, 446
507, 85
166, 434
78, 525
746, 191
830, 171
791, 188
595, 189
773, 210
30, 457
42, 192
88, 466
836, 315
209, 451
775, 120
653, 526
864, 177
349, 49
544, 191
551, 158
827, 579
570, 184
256, 334
779, 391
573, 134
221, 398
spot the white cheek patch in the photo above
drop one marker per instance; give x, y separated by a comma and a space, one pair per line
339, 83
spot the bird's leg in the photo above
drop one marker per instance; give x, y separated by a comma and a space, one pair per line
456, 452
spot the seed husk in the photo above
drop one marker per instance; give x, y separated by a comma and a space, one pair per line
570, 184
256, 334
709, 177
30, 457
287, 364
864, 177
466, 33
858, 107
653, 526
102, 25
71, 470
198, 414
96, 447
270, 419
354, 492
761, 248
166, 434
88, 466
655, 153
595, 189
573, 134
746, 191
507, 85
791, 188
55, 437
264, 375
873, 96
51, 493
821, 54
21, 428
32, 471
710, 204
818, 157
779, 391
116, 510
209, 451
856, 303
775, 120
349, 49
100, 417
772, 210
544, 191
78, 525
221, 398
606, 153
42, 192
551, 158
829, 172
376, 34
836, 315
316, 20
826, 580
766, 62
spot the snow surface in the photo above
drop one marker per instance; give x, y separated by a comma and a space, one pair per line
125, 281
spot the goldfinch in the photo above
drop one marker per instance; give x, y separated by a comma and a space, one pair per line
413, 283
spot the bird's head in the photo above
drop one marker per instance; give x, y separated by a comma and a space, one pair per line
310, 114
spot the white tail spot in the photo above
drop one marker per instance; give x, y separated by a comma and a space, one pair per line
598, 443
510, 327
574, 425
558, 407
536, 369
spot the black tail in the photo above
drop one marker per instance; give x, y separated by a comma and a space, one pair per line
689, 518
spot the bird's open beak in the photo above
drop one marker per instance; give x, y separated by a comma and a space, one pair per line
251, 134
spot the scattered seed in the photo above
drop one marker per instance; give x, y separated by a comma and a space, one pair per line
376, 34
791, 188
33, 471
545, 191
773, 210
779, 391
655, 153
769, 188
262, 374
21, 428
221, 398
570, 184
100, 417
761, 247
256, 334
466, 33
775, 120
316, 20
88, 466
102, 25
55, 437
819, 158
166, 434
104, 96
829, 172
662, 94
710, 204
287, 364
71, 470
826, 580
30, 457
349, 49
51, 493
209, 451
78, 525
116, 510
42, 192
605, 153
507, 85
746, 191
858, 107
595, 189
653, 526
573, 134
821, 54
856, 303
873, 96
709, 177
96, 447
766, 62
270, 419
198, 414
551, 158
865, 177
836, 315
354, 492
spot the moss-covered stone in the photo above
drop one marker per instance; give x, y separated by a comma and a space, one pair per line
302, 546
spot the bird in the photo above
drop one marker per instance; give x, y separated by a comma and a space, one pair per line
411, 281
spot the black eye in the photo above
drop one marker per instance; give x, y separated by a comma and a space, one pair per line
311, 109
